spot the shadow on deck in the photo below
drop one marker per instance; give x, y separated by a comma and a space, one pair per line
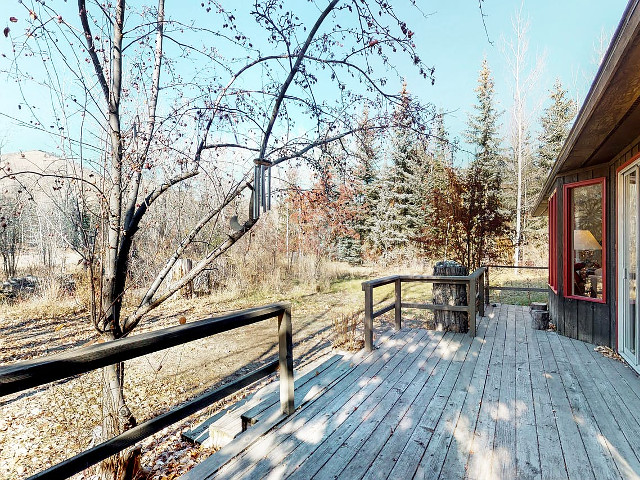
510, 403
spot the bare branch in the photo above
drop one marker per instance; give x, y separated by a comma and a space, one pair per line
153, 196
146, 307
147, 300
292, 73
484, 23
88, 36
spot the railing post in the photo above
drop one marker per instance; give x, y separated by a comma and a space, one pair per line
398, 316
368, 318
486, 285
481, 291
471, 302
285, 337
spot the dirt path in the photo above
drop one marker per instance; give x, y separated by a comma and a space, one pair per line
41, 427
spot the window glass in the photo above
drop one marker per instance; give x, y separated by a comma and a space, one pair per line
586, 237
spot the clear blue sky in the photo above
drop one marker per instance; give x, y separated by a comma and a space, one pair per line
453, 40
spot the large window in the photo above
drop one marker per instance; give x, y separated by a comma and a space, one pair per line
585, 237
553, 242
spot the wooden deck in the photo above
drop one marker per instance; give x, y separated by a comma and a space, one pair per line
511, 403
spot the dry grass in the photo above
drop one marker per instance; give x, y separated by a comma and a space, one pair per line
50, 301
344, 330
523, 278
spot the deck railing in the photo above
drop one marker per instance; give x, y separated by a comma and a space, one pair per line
474, 282
33, 373
488, 287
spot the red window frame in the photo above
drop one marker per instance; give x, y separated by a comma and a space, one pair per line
568, 239
553, 242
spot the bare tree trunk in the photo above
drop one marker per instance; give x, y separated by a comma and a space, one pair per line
116, 418
523, 81
519, 119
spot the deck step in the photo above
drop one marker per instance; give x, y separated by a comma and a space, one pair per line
311, 384
228, 423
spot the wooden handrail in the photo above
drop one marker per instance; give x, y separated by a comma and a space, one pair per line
488, 287
526, 267
37, 372
476, 292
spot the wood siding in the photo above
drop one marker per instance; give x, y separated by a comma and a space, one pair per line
584, 320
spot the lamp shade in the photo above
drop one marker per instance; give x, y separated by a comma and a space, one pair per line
584, 240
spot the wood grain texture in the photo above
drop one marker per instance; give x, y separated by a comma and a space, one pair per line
512, 402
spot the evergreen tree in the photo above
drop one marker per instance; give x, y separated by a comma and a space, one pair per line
403, 218
365, 178
555, 122
439, 196
484, 219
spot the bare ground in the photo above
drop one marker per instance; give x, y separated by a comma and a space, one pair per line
43, 426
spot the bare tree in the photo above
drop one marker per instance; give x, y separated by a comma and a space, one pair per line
524, 79
147, 101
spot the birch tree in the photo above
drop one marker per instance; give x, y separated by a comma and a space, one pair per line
524, 78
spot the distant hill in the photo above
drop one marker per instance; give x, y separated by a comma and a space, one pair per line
34, 160
29, 168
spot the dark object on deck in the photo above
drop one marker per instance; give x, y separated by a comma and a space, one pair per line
450, 294
538, 306
539, 319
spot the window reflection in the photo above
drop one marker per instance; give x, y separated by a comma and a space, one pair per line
586, 242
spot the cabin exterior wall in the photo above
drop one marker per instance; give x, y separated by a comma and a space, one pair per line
582, 319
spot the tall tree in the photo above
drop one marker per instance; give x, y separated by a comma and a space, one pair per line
366, 171
483, 218
524, 78
403, 179
555, 121
441, 193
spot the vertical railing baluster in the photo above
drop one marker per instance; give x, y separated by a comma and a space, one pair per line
481, 291
486, 284
285, 339
368, 317
471, 302
398, 311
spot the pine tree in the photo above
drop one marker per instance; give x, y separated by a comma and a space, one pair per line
439, 193
484, 218
403, 208
365, 177
555, 122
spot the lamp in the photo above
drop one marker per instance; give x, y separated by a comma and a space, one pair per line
584, 240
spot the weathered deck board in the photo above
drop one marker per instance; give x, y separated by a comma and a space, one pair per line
481, 451
304, 468
504, 455
527, 451
574, 453
599, 457
510, 403
416, 439
552, 464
